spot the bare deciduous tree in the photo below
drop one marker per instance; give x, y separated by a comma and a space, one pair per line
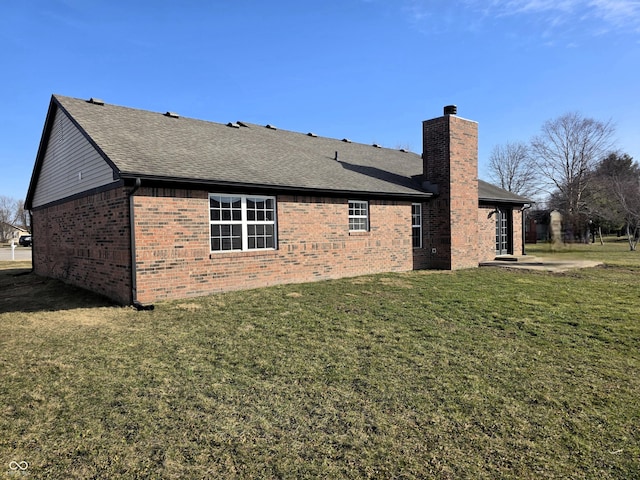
22, 217
510, 166
8, 213
566, 152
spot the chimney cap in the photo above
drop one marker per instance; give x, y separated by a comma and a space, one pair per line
451, 110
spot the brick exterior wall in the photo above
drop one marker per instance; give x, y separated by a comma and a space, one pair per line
486, 233
517, 231
173, 258
450, 160
85, 242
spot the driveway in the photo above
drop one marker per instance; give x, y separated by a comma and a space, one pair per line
21, 253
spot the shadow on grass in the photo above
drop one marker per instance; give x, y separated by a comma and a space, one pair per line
23, 291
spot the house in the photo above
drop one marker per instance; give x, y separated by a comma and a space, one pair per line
143, 206
11, 233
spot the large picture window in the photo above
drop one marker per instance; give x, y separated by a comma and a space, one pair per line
241, 222
358, 216
416, 224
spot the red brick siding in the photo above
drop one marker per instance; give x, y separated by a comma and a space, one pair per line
486, 233
85, 242
451, 161
173, 258
517, 231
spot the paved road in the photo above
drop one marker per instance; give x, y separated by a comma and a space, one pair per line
21, 253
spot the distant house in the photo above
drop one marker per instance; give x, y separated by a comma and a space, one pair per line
143, 206
11, 233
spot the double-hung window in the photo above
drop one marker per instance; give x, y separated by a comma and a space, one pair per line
242, 222
416, 224
358, 216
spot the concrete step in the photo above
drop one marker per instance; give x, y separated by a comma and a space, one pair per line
514, 258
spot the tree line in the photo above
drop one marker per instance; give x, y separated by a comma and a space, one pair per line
572, 166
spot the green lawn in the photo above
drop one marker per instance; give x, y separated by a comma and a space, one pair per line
485, 373
615, 251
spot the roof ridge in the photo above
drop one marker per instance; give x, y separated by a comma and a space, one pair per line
176, 115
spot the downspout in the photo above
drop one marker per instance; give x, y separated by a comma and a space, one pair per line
33, 265
526, 206
134, 291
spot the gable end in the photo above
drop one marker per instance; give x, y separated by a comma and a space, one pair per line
68, 163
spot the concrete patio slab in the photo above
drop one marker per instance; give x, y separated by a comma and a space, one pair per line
526, 262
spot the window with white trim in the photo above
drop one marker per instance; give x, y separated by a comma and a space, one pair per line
416, 225
358, 216
242, 222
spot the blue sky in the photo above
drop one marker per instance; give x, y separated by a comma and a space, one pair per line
369, 70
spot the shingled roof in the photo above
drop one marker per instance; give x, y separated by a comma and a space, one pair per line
489, 193
167, 147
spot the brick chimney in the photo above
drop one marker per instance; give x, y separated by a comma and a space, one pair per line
450, 169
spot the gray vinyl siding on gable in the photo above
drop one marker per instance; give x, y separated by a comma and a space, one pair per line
71, 164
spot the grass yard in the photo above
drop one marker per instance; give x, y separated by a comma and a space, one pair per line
615, 251
486, 373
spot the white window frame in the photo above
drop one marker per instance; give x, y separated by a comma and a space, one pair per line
244, 222
416, 216
359, 205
